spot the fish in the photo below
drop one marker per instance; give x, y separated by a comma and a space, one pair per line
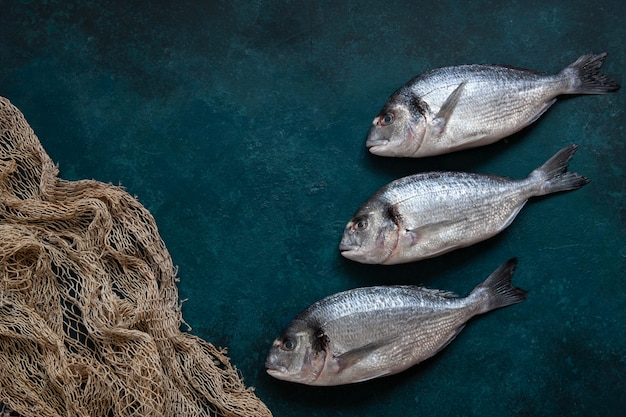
453, 108
428, 214
371, 332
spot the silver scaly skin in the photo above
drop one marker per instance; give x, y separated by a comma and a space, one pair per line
429, 214
366, 333
453, 108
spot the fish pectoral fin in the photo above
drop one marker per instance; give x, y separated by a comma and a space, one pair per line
351, 357
440, 121
426, 232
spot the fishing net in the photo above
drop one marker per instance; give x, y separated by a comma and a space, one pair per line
89, 311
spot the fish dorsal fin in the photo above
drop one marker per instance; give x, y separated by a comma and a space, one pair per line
514, 68
351, 357
439, 293
438, 125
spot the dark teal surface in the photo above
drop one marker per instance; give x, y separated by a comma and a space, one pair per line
241, 125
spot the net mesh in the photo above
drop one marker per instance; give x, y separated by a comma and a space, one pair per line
89, 311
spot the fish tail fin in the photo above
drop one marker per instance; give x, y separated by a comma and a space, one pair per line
586, 78
553, 176
499, 290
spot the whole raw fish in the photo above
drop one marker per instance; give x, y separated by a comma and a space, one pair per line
371, 332
448, 109
428, 214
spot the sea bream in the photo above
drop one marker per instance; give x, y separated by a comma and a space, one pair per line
428, 214
370, 332
453, 108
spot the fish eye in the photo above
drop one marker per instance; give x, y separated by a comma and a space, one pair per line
289, 344
387, 119
360, 225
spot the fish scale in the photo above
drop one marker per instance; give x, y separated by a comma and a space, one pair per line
454, 108
429, 214
371, 332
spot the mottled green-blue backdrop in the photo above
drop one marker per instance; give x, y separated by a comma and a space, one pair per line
241, 125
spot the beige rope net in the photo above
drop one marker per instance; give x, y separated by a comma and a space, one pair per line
89, 310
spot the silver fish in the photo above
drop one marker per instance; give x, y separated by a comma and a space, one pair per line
370, 332
453, 108
429, 214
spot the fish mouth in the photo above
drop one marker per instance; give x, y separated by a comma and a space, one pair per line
350, 252
272, 365
378, 146
276, 372
374, 142
345, 247
375, 138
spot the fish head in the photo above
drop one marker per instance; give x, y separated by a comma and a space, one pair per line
397, 131
298, 355
370, 237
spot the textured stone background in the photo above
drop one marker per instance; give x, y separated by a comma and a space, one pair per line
241, 126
